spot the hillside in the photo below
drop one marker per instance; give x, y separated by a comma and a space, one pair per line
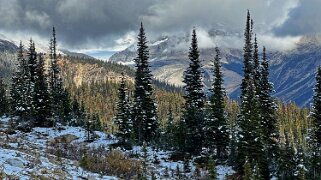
292, 72
49, 153
94, 83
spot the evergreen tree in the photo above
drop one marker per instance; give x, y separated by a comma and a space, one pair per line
32, 63
193, 115
17, 86
3, 98
315, 134
316, 109
32, 67
247, 99
57, 91
66, 104
269, 124
21, 89
216, 126
41, 96
287, 164
123, 119
300, 161
144, 110
250, 141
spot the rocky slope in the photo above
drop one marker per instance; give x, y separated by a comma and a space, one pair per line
292, 72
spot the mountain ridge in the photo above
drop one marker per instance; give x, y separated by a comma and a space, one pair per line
292, 71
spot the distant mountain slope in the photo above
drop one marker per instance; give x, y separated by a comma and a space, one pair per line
94, 83
292, 72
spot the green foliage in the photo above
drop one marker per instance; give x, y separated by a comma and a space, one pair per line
258, 129
123, 116
60, 103
144, 115
217, 136
41, 96
193, 114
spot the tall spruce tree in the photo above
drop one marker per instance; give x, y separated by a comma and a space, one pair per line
123, 117
246, 97
144, 110
58, 95
216, 125
269, 124
25, 107
315, 134
31, 80
250, 141
17, 91
41, 97
193, 115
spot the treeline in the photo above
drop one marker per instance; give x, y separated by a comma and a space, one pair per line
259, 136
37, 95
94, 85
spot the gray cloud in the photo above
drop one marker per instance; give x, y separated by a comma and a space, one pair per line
303, 19
77, 22
230, 14
102, 24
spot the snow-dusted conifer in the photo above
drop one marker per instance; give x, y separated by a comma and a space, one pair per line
250, 142
193, 115
41, 98
57, 91
18, 86
269, 124
144, 108
216, 125
30, 80
315, 134
123, 117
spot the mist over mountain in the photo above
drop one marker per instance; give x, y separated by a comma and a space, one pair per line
292, 71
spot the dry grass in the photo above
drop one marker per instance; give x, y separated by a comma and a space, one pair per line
98, 160
113, 163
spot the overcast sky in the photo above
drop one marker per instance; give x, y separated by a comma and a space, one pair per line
110, 24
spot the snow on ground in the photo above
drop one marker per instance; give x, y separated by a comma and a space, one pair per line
24, 156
